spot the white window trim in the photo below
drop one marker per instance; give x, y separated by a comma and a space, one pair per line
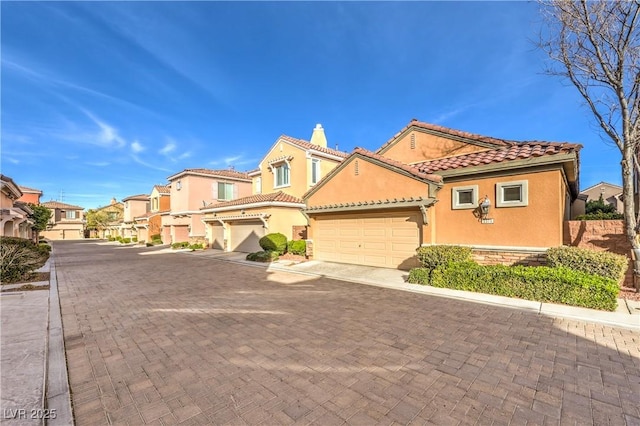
455, 205
275, 174
258, 187
315, 162
525, 194
225, 185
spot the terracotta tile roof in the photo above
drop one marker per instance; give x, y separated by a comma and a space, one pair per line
27, 189
163, 189
222, 173
519, 151
308, 145
58, 205
140, 197
448, 131
397, 164
279, 196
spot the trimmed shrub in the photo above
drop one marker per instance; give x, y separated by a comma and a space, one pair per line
419, 276
196, 246
431, 257
605, 264
119, 239
149, 245
180, 245
110, 238
44, 246
263, 256
126, 240
600, 216
134, 239
19, 257
274, 242
540, 283
298, 247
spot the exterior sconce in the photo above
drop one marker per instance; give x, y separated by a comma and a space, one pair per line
484, 210
242, 212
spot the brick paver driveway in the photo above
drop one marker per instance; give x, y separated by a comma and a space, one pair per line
181, 338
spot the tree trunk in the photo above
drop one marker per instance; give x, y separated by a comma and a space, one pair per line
628, 196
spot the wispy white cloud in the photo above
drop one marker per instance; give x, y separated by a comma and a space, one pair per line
137, 147
12, 160
149, 165
98, 164
167, 149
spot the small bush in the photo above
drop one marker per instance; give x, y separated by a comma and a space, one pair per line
431, 257
149, 245
419, 276
119, 239
600, 216
180, 245
541, 283
156, 237
263, 256
126, 240
19, 257
274, 242
134, 239
110, 238
297, 247
196, 246
605, 264
44, 246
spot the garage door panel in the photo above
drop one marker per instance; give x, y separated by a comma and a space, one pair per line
376, 239
245, 236
217, 237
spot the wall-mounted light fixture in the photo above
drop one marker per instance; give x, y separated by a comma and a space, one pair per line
242, 212
484, 207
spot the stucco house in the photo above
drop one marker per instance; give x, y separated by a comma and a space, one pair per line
114, 212
67, 221
290, 167
30, 195
428, 185
611, 194
150, 223
14, 214
191, 189
134, 206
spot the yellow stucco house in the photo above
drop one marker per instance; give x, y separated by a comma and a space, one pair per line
287, 171
66, 223
434, 185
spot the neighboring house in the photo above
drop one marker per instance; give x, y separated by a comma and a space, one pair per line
66, 223
30, 195
134, 206
115, 212
150, 223
287, 171
611, 194
14, 214
191, 189
426, 186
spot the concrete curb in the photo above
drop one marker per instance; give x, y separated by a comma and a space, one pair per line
57, 392
616, 319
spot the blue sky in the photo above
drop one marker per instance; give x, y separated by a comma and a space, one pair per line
107, 99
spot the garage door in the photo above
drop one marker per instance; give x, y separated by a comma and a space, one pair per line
245, 236
217, 237
385, 239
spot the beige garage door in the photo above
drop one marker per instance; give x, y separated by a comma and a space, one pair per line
217, 237
245, 236
383, 239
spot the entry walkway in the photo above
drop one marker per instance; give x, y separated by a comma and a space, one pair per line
627, 315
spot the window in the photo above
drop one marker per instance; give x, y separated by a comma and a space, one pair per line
281, 175
315, 171
464, 197
258, 185
178, 185
70, 214
155, 204
225, 191
112, 215
512, 194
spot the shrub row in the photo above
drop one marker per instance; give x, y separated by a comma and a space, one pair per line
263, 256
605, 264
180, 245
274, 245
19, 257
542, 283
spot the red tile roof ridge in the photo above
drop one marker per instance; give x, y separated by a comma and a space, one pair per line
308, 145
59, 205
278, 196
218, 172
406, 167
163, 189
26, 188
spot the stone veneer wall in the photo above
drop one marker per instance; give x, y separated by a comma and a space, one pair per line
600, 235
508, 257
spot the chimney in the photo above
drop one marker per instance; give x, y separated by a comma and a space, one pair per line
318, 137
114, 201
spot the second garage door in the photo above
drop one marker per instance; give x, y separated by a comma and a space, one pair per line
376, 239
245, 236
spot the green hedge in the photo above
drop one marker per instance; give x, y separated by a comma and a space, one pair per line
19, 257
431, 257
297, 247
274, 242
180, 245
605, 264
126, 240
196, 246
601, 216
542, 283
263, 256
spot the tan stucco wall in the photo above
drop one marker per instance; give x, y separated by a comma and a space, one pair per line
427, 147
64, 231
5, 201
134, 208
196, 189
299, 173
537, 225
372, 183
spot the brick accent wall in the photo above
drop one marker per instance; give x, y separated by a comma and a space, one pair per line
503, 257
299, 233
600, 235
